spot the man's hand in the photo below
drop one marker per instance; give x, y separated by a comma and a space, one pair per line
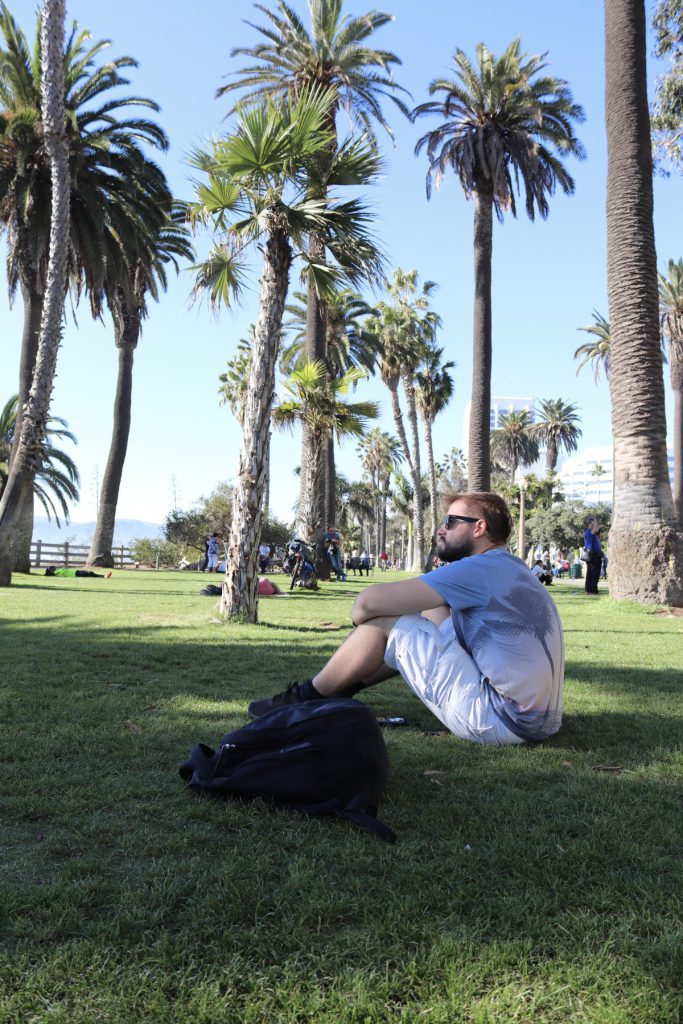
394, 599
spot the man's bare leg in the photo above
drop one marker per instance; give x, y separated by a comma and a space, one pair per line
360, 659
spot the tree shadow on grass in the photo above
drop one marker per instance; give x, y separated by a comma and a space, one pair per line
528, 854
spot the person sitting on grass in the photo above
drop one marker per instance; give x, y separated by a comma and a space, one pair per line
542, 574
477, 640
52, 570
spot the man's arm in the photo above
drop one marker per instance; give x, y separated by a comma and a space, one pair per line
394, 599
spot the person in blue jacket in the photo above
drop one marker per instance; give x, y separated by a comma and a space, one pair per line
593, 547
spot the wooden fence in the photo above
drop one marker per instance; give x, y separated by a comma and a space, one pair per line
44, 554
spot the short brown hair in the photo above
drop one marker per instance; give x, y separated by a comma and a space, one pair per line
491, 508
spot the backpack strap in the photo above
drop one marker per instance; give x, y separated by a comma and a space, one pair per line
369, 823
356, 812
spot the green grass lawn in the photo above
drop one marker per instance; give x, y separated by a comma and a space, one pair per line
534, 884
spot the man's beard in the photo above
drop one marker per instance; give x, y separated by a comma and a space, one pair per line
456, 550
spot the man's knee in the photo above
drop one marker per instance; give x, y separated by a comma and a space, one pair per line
383, 623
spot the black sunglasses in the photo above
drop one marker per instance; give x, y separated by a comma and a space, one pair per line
450, 521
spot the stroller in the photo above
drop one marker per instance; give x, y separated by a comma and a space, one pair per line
298, 563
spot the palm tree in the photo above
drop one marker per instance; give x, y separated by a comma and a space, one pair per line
30, 451
671, 313
311, 399
57, 481
406, 327
505, 127
513, 442
348, 344
138, 274
557, 428
105, 162
598, 471
355, 504
380, 454
434, 392
334, 56
646, 545
596, 352
258, 191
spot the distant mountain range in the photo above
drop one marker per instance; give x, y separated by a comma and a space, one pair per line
82, 533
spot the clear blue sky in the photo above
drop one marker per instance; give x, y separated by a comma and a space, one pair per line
547, 276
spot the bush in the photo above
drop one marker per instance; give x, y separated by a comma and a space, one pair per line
155, 551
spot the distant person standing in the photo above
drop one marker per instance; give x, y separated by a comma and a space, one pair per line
263, 556
365, 562
212, 553
383, 561
591, 542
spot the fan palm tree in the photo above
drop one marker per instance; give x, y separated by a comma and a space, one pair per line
557, 428
355, 505
646, 543
348, 344
311, 399
406, 326
513, 442
598, 471
30, 450
57, 481
258, 191
335, 56
671, 314
380, 454
505, 127
434, 392
139, 274
105, 165
596, 352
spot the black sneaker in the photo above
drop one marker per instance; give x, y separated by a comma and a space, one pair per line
294, 694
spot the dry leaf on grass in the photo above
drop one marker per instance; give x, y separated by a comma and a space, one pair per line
133, 726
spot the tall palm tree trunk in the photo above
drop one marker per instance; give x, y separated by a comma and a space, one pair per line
400, 426
433, 497
550, 457
416, 473
33, 311
311, 509
330, 483
676, 367
318, 488
127, 327
646, 549
239, 598
479, 453
29, 454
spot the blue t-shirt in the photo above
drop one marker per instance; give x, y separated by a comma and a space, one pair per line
213, 546
511, 628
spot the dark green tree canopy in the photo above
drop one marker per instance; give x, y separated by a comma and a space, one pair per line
505, 129
334, 55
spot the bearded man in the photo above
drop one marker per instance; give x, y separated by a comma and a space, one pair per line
477, 640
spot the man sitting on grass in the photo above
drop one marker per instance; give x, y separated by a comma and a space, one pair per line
477, 640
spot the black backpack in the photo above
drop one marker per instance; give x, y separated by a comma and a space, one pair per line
317, 757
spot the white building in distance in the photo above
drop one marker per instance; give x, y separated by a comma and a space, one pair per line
579, 481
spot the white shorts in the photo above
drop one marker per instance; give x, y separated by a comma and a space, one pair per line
446, 679
213, 562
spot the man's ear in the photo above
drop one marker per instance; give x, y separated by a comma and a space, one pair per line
480, 528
